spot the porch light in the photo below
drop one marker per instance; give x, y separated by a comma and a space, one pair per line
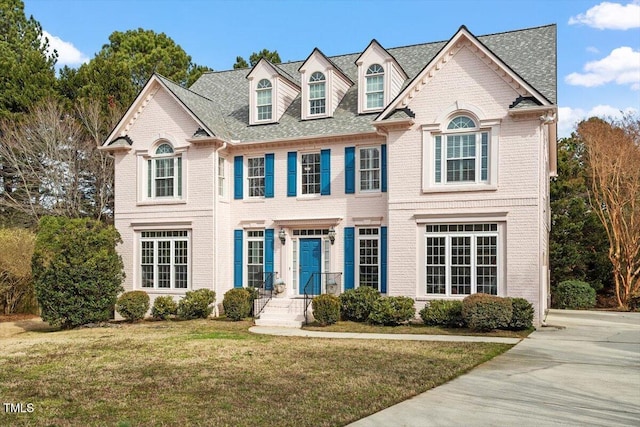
282, 235
332, 235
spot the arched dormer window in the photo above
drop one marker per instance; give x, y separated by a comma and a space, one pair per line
317, 94
375, 86
164, 173
264, 100
462, 153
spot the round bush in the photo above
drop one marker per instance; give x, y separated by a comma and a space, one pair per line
133, 305
483, 312
326, 309
443, 313
237, 303
392, 311
163, 307
522, 317
356, 304
574, 295
196, 304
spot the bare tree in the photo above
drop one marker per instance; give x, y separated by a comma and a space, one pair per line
56, 166
613, 162
15, 267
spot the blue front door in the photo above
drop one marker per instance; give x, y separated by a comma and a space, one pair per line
310, 253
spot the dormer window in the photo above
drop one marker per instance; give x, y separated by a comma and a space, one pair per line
264, 100
375, 86
317, 94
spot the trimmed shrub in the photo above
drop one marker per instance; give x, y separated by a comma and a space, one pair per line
76, 270
392, 311
443, 313
356, 304
133, 305
163, 307
483, 312
522, 317
237, 303
326, 309
574, 295
196, 304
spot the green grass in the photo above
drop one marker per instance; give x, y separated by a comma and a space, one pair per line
216, 373
412, 328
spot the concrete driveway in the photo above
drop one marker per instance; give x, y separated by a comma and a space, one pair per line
581, 370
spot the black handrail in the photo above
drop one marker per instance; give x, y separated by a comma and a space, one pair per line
265, 292
331, 284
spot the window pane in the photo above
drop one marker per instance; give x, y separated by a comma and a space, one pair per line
311, 173
485, 157
255, 171
486, 265
368, 258
369, 169
436, 277
461, 265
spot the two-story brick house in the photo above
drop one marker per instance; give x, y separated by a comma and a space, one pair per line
420, 170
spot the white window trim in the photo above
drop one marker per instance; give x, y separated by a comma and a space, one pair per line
326, 87
245, 255
137, 279
257, 106
429, 131
222, 178
359, 238
246, 174
358, 173
143, 157
299, 175
385, 78
421, 289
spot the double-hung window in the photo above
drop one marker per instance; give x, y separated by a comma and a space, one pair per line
461, 154
369, 169
221, 177
310, 173
164, 173
369, 257
164, 259
255, 257
264, 100
317, 97
461, 259
255, 176
375, 86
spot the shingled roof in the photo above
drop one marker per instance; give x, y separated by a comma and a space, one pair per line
221, 99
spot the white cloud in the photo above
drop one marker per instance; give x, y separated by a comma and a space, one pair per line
68, 54
569, 117
622, 66
610, 16
593, 49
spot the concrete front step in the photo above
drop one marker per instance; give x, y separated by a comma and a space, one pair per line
282, 312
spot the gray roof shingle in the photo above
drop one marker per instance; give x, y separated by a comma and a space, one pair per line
221, 99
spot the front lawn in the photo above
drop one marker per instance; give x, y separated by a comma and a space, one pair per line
216, 373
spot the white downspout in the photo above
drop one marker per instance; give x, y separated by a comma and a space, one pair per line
216, 200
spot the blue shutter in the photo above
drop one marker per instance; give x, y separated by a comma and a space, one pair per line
325, 172
268, 257
349, 170
268, 175
292, 164
349, 253
237, 258
383, 260
383, 166
237, 175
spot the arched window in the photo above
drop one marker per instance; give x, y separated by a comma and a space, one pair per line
164, 173
375, 86
317, 97
461, 153
264, 103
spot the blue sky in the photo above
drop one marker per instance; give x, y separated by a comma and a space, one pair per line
598, 42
